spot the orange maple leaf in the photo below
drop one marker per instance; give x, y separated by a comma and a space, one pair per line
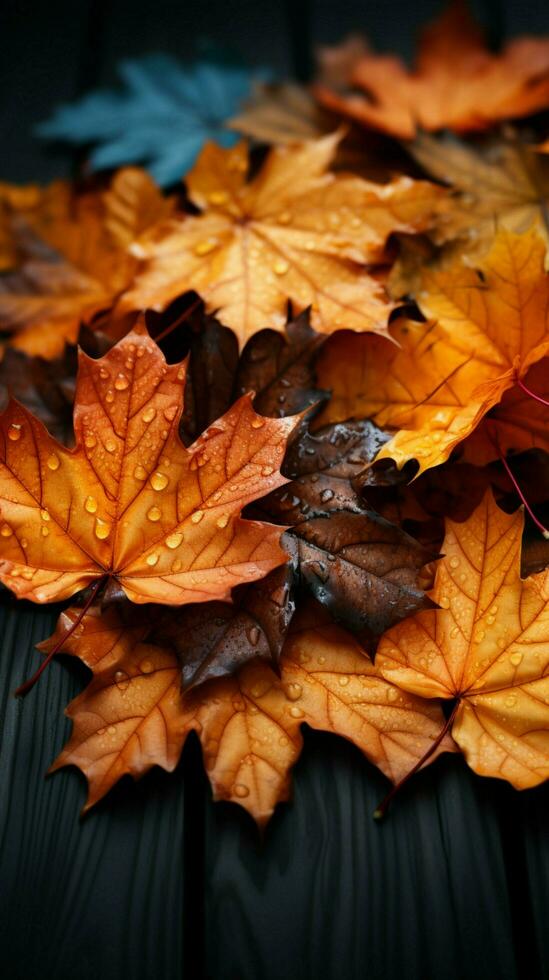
133, 714
486, 647
294, 232
445, 375
130, 501
456, 84
65, 255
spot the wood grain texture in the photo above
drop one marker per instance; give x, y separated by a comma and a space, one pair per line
99, 898
331, 894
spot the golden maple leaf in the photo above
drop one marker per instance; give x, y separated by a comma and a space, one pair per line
294, 232
456, 84
65, 255
133, 714
505, 184
487, 646
487, 331
130, 501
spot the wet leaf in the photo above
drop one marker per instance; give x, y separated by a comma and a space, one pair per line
486, 646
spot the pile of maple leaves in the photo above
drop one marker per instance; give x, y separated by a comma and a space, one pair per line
311, 393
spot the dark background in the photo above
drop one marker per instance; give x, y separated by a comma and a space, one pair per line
158, 882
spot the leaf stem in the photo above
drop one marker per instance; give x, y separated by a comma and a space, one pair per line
24, 689
515, 483
537, 398
180, 319
381, 810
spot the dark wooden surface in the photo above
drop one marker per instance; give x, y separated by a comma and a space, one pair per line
159, 882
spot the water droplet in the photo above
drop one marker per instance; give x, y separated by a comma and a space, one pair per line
146, 666
515, 659
53, 462
110, 445
205, 247
177, 565
170, 413
90, 504
140, 472
296, 712
152, 559
44, 531
102, 529
241, 790
148, 414
154, 514
109, 397
14, 432
454, 562
121, 382
260, 688
111, 730
122, 680
197, 516
510, 701
44, 515
444, 602
392, 694
6, 531
267, 470
159, 481
326, 495
174, 540
222, 521
343, 680
253, 635
27, 574
218, 197
280, 267
284, 218
293, 691
103, 373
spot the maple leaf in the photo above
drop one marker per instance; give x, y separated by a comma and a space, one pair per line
280, 113
486, 647
130, 501
294, 232
133, 714
456, 83
435, 388
162, 117
504, 184
70, 255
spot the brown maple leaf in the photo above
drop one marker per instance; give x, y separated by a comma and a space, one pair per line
133, 714
130, 501
485, 648
488, 329
456, 83
294, 232
69, 255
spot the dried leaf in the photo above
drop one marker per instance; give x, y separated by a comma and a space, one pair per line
281, 113
489, 329
70, 255
294, 232
133, 714
486, 647
130, 501
456, 83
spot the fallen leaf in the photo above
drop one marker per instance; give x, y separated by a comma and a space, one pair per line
363, 569
133, 714
486, 646
457, 83
502, 185
161, 118
489, 328
130, 502
280, 113
70, 255
294, 232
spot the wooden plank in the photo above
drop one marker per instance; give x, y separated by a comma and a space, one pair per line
331, 894
93, 898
